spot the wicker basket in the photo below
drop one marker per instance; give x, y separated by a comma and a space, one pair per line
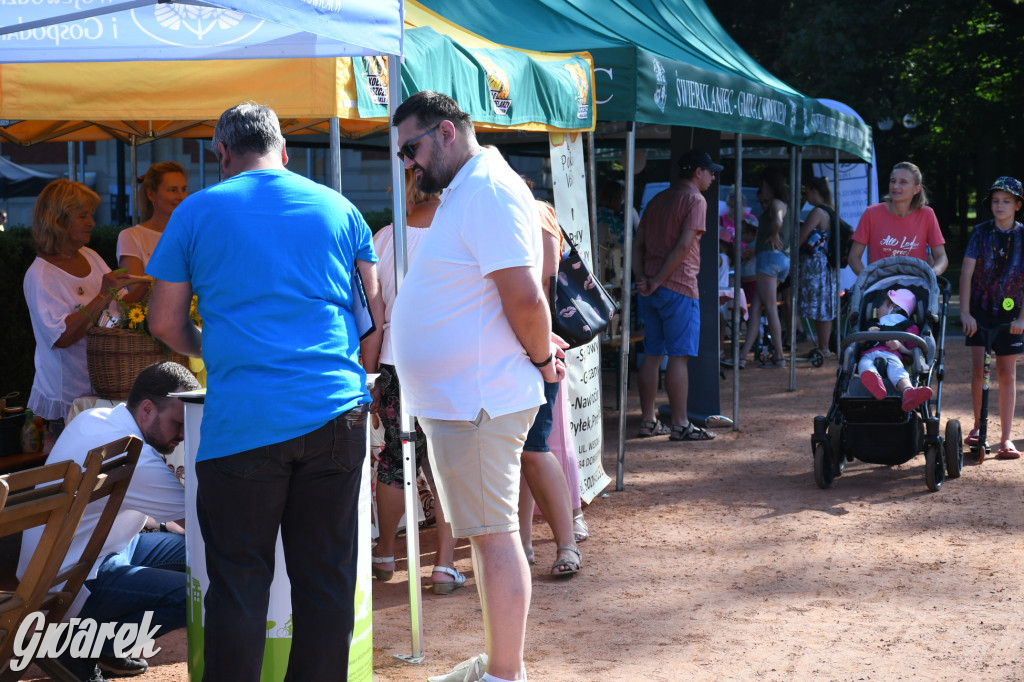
116, 356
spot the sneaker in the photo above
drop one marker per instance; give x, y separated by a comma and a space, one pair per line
914, 397
470, 670
873, 382
84, 670
122, 666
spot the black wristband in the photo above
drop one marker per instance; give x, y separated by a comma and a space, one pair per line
545, 363
163, 527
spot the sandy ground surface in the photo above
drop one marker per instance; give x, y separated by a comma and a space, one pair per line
724, 561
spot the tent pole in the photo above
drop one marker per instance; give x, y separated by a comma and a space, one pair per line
412, 500
71, 162
836, 331
134, 181
202, 164
627, 276
335, 131
81, 160
737, 255
796, 157
592, 189
121, 208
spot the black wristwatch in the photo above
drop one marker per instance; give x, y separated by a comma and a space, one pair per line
163, 527
545, 363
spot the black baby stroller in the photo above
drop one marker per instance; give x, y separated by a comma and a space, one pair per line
879, 431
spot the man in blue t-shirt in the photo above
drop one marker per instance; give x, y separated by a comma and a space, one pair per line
271, 256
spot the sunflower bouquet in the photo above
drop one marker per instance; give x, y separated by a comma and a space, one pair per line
135, 316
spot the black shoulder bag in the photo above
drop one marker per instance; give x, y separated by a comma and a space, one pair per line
580, 307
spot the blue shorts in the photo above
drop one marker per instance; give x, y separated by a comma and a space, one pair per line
773, 264
537, 436
671, 323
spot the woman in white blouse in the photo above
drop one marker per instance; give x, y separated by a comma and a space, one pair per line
67, 287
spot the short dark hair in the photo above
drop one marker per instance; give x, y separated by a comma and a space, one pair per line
688, 173
157, 380
430, 108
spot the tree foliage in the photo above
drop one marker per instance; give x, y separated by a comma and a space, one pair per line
950, 66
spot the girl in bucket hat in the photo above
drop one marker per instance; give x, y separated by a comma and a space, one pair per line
893, 315
992, 293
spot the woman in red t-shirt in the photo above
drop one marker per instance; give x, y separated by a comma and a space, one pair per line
902, 225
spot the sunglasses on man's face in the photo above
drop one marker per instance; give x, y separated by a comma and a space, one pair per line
407, 150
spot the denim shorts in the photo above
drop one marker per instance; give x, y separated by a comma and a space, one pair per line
537, 437
773, 264
671, 323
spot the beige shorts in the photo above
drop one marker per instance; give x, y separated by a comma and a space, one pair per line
476, 468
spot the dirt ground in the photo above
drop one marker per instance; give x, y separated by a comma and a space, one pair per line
724, 561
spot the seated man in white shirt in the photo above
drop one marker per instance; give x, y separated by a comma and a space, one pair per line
136, 573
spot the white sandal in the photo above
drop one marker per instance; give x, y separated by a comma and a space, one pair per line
580, 529
448, 587
382, 574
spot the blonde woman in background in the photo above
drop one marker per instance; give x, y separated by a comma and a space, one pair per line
162, 188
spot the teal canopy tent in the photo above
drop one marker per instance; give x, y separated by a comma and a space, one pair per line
669, 62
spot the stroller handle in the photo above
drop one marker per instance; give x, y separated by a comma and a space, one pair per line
905, 337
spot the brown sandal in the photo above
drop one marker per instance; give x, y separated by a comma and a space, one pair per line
563, 568
690, 432
654, 428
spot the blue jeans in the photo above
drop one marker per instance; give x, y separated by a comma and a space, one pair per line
308, 487
147, 575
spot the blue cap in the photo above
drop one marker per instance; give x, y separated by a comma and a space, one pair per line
1008, 185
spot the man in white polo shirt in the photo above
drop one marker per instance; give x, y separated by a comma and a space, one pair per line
471, 335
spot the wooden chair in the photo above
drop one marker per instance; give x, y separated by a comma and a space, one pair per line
38, 497
108, 472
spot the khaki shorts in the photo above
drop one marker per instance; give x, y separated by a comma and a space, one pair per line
476, 468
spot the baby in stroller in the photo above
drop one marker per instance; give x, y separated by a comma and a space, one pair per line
894, 314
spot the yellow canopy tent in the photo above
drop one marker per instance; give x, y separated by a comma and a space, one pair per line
136, 102
140, 101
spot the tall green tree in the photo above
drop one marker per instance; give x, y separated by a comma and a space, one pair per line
948, 68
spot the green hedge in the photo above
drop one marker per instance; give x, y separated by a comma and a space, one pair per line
377, 219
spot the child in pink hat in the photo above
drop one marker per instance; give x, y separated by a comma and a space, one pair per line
893, 315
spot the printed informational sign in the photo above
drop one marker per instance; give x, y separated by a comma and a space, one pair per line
583, 364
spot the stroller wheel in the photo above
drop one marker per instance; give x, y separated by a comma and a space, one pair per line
836, 441
816, 357
824, 473
934, 472
954, 449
